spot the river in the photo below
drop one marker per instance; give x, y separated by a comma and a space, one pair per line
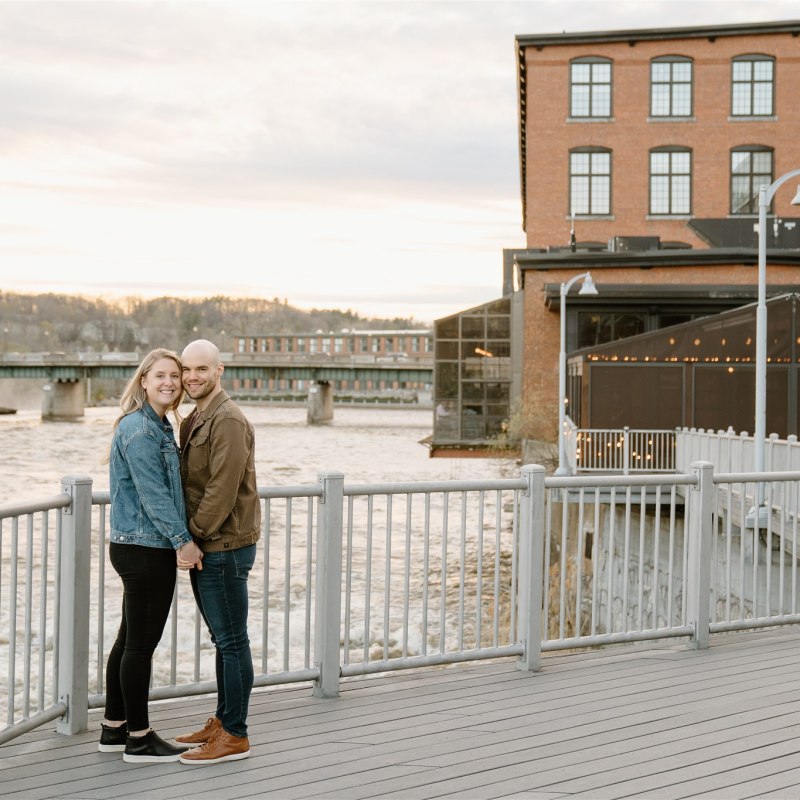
366, 444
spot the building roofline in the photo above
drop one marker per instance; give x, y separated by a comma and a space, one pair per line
631, 36
718, 256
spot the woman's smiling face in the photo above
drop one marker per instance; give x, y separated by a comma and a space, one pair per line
162, 385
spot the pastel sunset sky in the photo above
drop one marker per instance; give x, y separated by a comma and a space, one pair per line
354, 154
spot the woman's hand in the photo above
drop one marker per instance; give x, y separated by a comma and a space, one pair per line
190, 556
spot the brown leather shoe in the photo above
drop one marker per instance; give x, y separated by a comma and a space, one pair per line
223, 747
203, 735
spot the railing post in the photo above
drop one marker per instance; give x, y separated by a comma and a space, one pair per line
328, 591
531, 567
699, 541
73, 635
626, 455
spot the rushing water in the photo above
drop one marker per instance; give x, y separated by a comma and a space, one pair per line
367, 444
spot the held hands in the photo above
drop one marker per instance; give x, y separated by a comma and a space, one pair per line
190, 556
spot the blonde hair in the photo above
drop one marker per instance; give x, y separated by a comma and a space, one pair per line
134, 397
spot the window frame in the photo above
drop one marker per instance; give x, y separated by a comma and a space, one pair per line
590, 176
671, 150
754, 188
671, 60
591, 61
752, 58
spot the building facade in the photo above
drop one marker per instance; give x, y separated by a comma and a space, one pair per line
641, 157
346, 347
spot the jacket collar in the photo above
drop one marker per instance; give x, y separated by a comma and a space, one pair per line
150, 412
212, 407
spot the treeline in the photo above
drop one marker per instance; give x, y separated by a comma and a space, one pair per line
71, 323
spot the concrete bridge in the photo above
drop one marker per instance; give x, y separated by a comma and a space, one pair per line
68, 376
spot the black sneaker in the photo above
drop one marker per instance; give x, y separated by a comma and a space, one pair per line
112, 740
150, 748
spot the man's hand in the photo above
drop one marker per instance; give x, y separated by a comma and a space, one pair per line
190, 556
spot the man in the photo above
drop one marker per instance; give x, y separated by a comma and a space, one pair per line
224, 516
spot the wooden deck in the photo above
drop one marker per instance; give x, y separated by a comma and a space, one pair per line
654, 721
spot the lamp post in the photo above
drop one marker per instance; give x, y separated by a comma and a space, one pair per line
765, 195
587, 288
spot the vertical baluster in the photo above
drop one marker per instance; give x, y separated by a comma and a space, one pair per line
548, 532
596, 540
514, 566
755, 548
287, 584
101, 597
309, 560
45, 544
426, 548
12, 619
407, 574
266, 530
462, 570
656, 553
612, 511
579, 563
387, 577
56, 608
728, 552
348, 591
479, 574
562, 572
642, 520
27, 638
626, 559
671, 565
368, 586
794, 487
443, 590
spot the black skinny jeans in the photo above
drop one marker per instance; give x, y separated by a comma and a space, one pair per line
148, 580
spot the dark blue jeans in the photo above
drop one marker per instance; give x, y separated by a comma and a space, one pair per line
220, 590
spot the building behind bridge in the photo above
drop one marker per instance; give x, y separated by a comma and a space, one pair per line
641, 156
413, 346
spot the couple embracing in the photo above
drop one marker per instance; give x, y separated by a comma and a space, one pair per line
195, 508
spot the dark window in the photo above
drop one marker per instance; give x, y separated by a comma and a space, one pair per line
753, 86
590, 88
671, 87
751, 168
598, 327
590, 181
670, 181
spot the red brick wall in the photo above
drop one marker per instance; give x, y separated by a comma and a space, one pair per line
711, 134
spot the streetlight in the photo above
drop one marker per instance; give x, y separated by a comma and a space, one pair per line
587, 288
765, 195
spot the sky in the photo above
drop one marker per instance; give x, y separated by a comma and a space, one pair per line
339, 154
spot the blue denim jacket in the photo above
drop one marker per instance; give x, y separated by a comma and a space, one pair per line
147, 506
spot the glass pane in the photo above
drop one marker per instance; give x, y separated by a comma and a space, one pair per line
659, 71
581, 73
579, 195
446, 381
762, 162
762, 98
473, 327
600, 196
742, 198
498, 327
680, 195
580, 101
628, 325
659, 195
740, 162
499, 348
468, 348
601, 101
680, 163
659, 163
601, 73
447, 328
659, 106
579, 163
741, 98
742, 70
682, 71
446, 349
601, 163
762, 70
499, 307
681, 100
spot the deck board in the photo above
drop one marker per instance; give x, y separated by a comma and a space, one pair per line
650, 720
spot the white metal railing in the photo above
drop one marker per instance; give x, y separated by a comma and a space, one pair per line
621, 450
353, 579
734, 452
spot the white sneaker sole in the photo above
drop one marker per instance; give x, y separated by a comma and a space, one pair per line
111, 748
133, 759
204, 761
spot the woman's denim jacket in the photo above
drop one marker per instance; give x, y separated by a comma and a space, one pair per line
147, 506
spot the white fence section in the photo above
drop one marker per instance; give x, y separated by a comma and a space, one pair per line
620, 450
354, 579
732, 452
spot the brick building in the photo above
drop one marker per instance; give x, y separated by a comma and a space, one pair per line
641, 156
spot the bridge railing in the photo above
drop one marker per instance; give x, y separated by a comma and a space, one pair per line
355, 579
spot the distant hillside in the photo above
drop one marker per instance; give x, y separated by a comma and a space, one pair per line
69, 323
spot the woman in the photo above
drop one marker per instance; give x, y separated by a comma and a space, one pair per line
148, 526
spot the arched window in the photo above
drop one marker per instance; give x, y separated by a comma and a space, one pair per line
590, 87
671, 180
751, 168
589, 181
753, 84
671, 86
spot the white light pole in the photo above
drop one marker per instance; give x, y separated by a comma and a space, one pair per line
588, 288
765, 195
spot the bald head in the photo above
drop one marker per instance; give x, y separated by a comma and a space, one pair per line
202, 371
202, 348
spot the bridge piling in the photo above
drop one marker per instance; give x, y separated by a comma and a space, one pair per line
320, 403
63, 401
